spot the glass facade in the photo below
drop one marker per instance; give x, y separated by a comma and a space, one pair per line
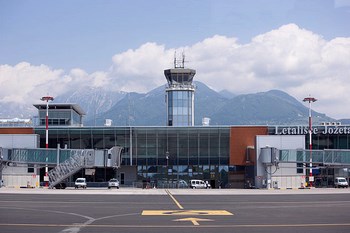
60, 117
180, 107
171, 153
180, 153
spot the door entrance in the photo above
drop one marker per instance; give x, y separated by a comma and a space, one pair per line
122, 178
212, 184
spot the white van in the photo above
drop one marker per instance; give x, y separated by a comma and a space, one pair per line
340, 182
80, 183
199, 184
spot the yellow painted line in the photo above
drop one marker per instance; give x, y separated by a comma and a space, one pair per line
172, 197
185, 212
195, 221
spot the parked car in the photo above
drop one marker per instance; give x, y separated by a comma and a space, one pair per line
340, 182
182, 184
80, 183
113, 183
199, 184
61, 185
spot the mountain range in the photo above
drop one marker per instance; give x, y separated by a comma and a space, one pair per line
273, 107
223, 108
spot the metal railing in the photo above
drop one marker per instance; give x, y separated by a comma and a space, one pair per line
66, 161
75, 162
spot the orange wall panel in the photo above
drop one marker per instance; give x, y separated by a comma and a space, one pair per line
240, 138
16, 131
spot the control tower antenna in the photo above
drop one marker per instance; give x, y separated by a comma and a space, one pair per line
179, 63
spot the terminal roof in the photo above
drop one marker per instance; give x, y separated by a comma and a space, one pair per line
75, 107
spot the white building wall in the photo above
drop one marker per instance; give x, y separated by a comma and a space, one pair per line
285, 175
18, 176
30, 141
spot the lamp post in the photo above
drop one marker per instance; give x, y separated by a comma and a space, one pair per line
310, 100
47, 99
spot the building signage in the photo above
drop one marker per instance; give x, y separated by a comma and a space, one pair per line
300, 130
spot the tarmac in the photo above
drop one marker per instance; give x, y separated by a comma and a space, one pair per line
155, 191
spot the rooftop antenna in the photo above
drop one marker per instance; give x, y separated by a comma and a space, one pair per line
179, 63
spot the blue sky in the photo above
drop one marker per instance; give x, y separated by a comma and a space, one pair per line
87, 33
76, 41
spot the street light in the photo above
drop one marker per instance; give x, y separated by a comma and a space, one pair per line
310, 100
47, 99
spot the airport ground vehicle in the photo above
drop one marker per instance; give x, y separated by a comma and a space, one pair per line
199, 184
340, 182
113, 183
80, 183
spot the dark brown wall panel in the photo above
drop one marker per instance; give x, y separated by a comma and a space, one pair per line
242, 137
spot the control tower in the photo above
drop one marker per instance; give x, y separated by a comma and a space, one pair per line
180, 94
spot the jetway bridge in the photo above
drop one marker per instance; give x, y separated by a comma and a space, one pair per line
66, 162
327, 158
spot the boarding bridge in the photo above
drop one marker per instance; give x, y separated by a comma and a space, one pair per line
330, 158
66, 162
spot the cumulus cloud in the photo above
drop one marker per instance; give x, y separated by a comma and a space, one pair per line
26, 83
141, 69
288, 58
23, 82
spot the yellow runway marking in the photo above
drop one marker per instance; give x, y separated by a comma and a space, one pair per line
193, 220
185, 212
172, 197
182, 212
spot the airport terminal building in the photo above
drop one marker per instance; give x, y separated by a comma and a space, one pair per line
225, 156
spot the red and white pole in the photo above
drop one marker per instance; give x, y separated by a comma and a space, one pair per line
47, 99
310, 99
47, 125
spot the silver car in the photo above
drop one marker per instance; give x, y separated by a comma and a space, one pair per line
113, 183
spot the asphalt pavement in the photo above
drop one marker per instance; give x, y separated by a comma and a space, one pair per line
174, 210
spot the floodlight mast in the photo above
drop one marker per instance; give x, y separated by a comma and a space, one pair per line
47, 99
310, 100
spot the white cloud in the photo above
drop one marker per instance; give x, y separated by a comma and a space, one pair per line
23, 82
141, 69
26, 83
289, 58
